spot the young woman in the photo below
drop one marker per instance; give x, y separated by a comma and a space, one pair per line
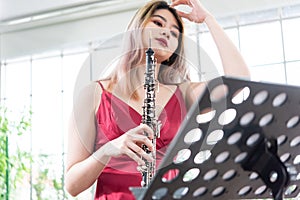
106, 134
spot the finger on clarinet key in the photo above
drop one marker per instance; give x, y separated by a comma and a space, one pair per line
147, 156
147, 131
141, 168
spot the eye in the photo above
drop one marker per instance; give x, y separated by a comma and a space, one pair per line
174, 34
158, 23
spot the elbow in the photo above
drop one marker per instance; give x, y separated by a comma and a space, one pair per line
245, 73
75, 185
71, 187
71, 190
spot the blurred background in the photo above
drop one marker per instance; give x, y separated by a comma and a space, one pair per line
49, 48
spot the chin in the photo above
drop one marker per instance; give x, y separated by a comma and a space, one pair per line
161, 55
161, 59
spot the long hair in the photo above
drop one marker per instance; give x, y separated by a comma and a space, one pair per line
172, 71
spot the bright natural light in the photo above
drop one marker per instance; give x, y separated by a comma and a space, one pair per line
45, 85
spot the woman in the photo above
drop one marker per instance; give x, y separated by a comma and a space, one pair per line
106, 134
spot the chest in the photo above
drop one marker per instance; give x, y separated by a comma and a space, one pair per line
114, 117
162, 97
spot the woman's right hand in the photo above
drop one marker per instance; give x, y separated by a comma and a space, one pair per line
198, 13
130, 144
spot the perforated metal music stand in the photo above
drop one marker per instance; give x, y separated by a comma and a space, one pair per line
240, 140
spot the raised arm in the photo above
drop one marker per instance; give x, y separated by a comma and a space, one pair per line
232, 61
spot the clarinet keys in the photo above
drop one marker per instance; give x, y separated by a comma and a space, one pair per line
149, 117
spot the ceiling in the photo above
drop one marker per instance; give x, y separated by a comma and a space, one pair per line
29, 26
13, 9
18, 15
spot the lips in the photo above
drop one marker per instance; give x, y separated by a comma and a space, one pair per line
162, 41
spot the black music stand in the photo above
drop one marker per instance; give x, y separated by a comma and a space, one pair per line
242, 144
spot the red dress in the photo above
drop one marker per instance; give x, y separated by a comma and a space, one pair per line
115, 117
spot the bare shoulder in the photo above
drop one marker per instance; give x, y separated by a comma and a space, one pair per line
104, 83
92, 90
88, 96
89, 89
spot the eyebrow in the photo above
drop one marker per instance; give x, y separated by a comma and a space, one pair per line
165, 20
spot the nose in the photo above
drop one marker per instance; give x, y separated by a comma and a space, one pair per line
165, 33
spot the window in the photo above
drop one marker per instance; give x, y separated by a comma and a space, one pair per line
261, 43
293, 72
44, 85
258, 73
16, 85
291, 34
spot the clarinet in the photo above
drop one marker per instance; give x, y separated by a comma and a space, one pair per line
149, 116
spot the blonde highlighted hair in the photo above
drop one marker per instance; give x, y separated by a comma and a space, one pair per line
172, 71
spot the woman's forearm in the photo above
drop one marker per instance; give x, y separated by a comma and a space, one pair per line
83, 174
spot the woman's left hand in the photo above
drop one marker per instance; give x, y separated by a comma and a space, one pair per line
198, 13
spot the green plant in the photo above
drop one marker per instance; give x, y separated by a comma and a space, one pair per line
58, 186
46, 184
12, 160
39, 184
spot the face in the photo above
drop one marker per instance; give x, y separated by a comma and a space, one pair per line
163, 31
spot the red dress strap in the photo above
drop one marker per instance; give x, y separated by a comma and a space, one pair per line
99, 82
